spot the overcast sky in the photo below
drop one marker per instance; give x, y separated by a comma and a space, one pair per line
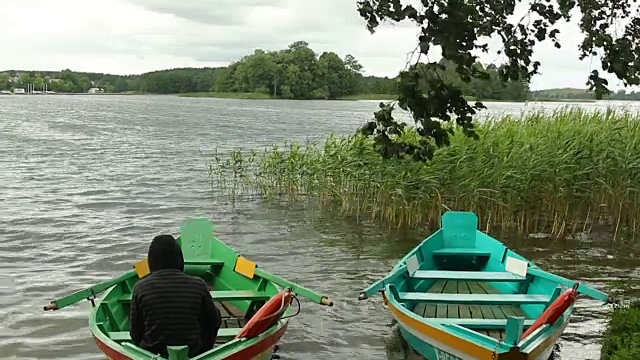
136, 36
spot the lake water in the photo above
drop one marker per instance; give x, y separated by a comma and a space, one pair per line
87, 181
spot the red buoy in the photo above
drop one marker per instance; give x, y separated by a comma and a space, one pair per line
269, 314
554, 311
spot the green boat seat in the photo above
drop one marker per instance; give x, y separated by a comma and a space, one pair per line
229, 295
478, 323
232, 295
461, 252
212, 262
120, 336
503, 276
475, 299
225, 333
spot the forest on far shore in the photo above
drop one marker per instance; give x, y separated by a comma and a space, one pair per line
296, 72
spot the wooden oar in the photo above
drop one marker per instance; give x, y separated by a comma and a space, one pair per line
295, 288
88, 293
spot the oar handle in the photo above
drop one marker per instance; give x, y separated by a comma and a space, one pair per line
297, 289
88, 293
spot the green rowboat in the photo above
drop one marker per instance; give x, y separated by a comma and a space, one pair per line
462, 294
239, 288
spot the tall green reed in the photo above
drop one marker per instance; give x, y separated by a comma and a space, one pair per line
558, 172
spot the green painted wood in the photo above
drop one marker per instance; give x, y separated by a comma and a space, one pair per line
484, 299
178, 352
480, 324
498, 276
230, 295
461, 252
224, 333
211, 262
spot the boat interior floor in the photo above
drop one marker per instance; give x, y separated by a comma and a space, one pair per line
232, 319
450, 311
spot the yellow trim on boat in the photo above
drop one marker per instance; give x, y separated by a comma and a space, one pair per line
444, 337
245, 267
142, 268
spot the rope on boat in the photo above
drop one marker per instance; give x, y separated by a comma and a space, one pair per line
92, 298
299, 308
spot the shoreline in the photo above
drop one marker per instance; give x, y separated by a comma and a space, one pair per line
263, 96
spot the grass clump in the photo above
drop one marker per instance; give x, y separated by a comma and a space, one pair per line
621, 340
556, 172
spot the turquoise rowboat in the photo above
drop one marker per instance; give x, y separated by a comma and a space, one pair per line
462, 294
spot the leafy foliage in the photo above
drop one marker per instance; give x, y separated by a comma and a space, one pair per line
622, 337
293, 73
461, 28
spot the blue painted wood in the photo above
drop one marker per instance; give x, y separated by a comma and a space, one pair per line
515, 327
474, 299
477, 323
586, 290
459, 229
461, 252
467, 275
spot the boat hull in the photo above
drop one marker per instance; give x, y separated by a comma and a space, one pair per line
434, 344
262, 350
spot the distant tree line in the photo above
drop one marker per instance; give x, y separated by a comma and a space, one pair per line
583, 94
296, 72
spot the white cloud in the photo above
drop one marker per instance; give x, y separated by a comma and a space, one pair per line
135, 36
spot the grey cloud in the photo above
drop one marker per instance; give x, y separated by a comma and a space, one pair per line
220, 12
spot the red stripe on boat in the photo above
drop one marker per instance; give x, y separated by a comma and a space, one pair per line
245, 354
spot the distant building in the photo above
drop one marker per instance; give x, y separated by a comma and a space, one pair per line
96, 91
14, 79
19, 91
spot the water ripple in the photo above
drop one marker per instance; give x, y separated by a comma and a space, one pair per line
87, 181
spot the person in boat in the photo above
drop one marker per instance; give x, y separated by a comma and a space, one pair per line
171, 308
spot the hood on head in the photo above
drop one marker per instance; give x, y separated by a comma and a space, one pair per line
165, 253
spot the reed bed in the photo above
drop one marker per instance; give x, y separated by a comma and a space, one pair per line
556, 173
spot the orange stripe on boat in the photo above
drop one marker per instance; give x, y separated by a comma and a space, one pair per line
442, 336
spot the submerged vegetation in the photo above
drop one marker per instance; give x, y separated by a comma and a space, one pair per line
557, 173
621, 340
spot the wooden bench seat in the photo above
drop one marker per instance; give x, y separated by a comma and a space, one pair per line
478, 323
498, 276
474, 299
227, 334
461, 252
229, 295
212, 262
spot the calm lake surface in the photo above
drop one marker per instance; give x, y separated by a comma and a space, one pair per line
87, 181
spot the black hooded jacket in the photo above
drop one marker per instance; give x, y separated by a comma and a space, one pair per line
171, 308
